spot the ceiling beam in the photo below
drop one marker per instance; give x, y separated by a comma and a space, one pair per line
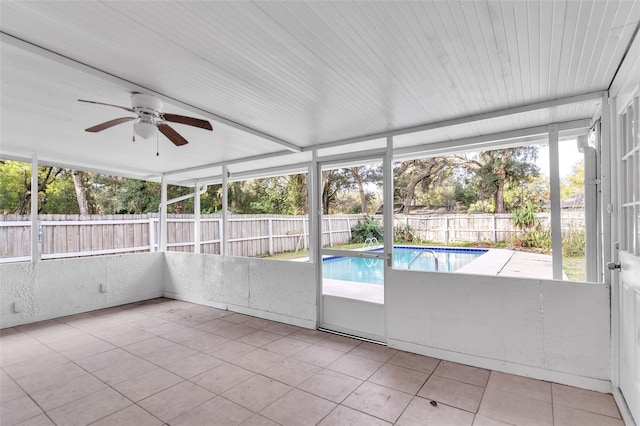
134, 87
585, 97
228, 162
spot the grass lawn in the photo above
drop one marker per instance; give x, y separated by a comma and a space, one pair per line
574, 267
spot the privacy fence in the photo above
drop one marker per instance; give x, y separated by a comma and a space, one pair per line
61, 236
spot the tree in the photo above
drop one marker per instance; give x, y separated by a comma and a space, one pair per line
424, 172
81, 192
494, 169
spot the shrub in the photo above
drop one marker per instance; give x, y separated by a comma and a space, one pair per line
573, 243
367, 229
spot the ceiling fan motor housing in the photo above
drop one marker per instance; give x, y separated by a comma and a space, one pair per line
148, 110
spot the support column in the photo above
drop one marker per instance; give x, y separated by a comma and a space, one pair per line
163, 215
608, 163
556, 218
224, 248
36, 232
196, 216
590, 208
387, 220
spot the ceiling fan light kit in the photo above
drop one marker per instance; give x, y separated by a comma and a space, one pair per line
150, 119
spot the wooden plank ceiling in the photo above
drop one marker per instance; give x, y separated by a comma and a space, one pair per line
298, 74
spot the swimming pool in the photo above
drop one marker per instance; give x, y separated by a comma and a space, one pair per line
366, 270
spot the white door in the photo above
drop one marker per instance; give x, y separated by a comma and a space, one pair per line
628, 279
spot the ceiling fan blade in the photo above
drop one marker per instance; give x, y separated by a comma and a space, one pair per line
101, 103
189, 121
172, 135
110, 123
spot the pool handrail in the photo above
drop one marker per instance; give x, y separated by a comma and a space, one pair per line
422, 251
370, 242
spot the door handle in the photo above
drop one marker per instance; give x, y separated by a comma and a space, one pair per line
612, 266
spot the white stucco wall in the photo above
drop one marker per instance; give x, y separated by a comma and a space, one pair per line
55, 288
277, 290
551, 330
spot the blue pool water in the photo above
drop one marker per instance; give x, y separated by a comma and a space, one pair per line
371, 270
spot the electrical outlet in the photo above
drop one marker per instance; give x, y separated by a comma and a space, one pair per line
103, 288
18, 306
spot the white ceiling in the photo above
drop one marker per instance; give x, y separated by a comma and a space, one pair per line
278, 79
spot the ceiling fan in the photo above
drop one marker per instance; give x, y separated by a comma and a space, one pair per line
149, 119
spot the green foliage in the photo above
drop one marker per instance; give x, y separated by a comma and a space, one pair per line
539, 238
367, 229
525, 216
573, 243
402, 234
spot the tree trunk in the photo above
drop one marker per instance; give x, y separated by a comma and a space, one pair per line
81, 192
499, 198
363, 196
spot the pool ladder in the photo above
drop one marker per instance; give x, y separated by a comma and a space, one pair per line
420, 254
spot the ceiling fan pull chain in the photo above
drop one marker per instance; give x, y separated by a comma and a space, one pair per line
157, 146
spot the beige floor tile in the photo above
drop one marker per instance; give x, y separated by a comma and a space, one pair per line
193, 365
23, 351
345, 416
213, 325
462, 373
330, 385
309, 336
205, 342
175, 401
287, 346
355, 366
256, 393
68, 340
259, 323
237, 318
18, 409
89, 349
420, 412
218, 411
235, 331
9, 389
169, 354
125, 336
298, 408
105, 359
259, 338
523, 386
424, 364
51, 377
319, 355
452, 392
230, 351
132, 415
148, 346
145, 385
89, 409
399, 378
586, 400
28, 367
291, 371
222, 378
567, 416
258, 420
66, 392
40, 420
282, 329
341, 343
179, 336
124, 371
374, 351
378, 401
515, 409
258, 360
481, 420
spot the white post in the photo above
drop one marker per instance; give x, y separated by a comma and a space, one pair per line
196, 214
152, 235
330, 230
220, 233
305, 230
387, 222
36, 232
270, 230
224, 248
163, 215
608, 163
349, 228
495, 229
315, 231
590, 208
556, 218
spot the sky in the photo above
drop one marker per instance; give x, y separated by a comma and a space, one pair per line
568, 153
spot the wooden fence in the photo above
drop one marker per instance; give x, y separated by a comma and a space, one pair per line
249, 235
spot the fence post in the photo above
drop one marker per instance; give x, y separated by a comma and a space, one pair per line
349, 227
220, 235
495, 231
270, 227
446, 230
305, 230
330, 231
152, 235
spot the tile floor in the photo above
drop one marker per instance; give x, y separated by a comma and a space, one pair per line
167, 362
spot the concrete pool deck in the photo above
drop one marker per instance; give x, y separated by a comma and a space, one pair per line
500, 262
